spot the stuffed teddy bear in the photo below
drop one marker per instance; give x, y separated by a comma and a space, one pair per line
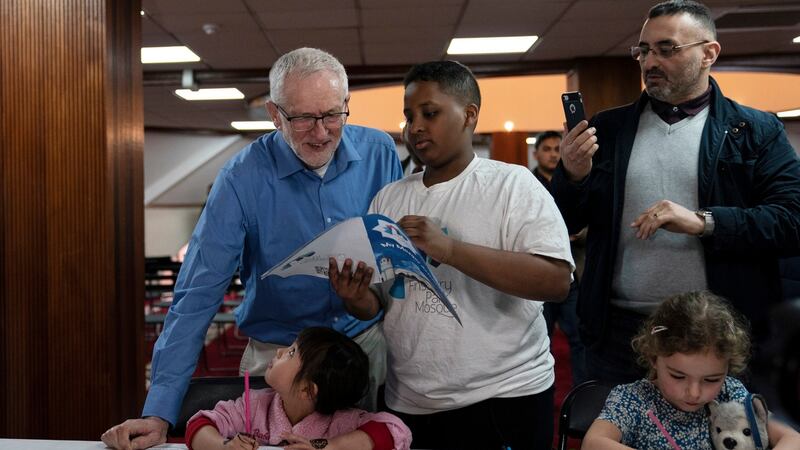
730, 428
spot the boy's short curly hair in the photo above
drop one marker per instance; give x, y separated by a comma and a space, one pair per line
694, 322
336, 364
454, 79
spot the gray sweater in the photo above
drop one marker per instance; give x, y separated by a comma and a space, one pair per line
663, 166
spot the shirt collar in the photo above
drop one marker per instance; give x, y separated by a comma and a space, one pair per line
675, 113
288, 163
540, 176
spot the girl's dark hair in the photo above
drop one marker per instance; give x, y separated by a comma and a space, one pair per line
690, 323
336, 364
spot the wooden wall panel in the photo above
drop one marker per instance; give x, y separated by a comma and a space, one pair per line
71, 217
605, 82
510, 147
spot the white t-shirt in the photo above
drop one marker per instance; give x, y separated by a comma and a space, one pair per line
502, 350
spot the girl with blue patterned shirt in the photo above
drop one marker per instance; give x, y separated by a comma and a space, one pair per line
690, 345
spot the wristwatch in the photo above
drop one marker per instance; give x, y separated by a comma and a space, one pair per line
318, 443
708, 222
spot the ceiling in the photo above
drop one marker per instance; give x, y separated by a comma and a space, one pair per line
377, 40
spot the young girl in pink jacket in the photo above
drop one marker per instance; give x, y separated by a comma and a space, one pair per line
314, 385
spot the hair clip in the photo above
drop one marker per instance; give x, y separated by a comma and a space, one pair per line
658, 329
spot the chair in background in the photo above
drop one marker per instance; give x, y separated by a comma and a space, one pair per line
580, 407
160, 273
204, 393
784, 358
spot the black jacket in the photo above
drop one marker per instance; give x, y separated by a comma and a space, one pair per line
748, 177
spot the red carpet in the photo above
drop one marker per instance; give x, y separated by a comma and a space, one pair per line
560, 349
222, 355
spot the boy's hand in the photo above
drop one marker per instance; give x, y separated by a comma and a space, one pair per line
353, 288
241, 442
428, 237
577, 149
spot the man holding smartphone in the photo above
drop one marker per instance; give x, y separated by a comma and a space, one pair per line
682, 190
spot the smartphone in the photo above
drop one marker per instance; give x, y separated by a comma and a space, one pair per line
573, 108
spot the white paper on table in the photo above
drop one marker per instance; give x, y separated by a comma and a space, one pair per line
183, 447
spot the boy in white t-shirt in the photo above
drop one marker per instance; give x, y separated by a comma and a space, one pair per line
500, 248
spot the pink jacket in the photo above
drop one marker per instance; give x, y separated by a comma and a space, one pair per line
269, 420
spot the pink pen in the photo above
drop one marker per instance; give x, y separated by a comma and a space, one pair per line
662, 429
247, 401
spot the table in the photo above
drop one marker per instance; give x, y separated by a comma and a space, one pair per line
44, 444
160, 318
225, 303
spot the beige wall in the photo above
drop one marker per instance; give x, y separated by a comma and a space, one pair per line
533, 102
167, 229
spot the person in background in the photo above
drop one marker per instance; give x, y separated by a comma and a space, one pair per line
489, 383
271, 198
314, 386
547, 153
690, 347
682, 190
412, 163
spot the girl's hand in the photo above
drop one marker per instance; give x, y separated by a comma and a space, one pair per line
241, 442
428, 237
297, 442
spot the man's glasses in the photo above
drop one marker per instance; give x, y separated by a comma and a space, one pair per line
331, 121
639, 52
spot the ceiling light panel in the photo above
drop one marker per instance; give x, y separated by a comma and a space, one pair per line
249, 125
173, 54
491, 45
210, 94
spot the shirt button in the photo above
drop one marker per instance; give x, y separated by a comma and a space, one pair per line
675, 109
335, 319
328, 220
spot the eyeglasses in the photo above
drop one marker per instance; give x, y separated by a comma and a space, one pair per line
331, 121
639, 52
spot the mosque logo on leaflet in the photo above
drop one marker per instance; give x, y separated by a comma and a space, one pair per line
392, 231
